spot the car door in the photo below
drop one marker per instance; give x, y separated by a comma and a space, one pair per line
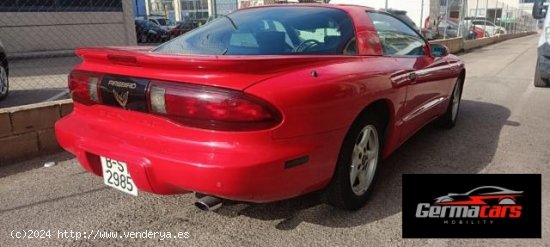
426, 86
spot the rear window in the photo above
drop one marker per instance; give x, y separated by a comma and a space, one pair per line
270, 31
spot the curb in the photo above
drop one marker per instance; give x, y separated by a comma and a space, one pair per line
28, 131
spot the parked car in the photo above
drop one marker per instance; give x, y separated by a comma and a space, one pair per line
147, 31
4, 72
259, 107
450, 28
182, 28
163, 22
486, 25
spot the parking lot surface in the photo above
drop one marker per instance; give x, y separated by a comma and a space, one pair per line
503, 128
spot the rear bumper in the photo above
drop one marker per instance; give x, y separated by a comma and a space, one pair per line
164, 158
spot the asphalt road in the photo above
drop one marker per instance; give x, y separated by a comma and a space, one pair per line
503, 128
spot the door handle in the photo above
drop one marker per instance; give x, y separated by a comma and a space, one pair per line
412, 77
403, 78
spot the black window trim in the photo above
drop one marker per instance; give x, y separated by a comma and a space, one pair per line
414, 30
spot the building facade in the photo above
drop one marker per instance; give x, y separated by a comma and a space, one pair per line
54, 25
505, 9
195, 10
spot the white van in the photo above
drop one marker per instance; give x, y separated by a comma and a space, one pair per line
542, 73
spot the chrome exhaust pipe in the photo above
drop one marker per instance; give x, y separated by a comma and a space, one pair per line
208, 203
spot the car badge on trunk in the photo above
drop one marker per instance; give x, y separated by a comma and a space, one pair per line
121, 98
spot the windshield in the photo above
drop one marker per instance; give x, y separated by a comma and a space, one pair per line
162, 22
270, 31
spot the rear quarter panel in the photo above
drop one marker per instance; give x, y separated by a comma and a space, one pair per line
333, 99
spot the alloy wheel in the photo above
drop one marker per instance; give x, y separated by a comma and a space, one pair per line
364, 160
456, 99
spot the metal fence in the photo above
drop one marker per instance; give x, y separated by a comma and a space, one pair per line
474, 19
39, 36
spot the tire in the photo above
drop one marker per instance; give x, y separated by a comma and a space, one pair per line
539, 81
4, 83
341, 193
448, 119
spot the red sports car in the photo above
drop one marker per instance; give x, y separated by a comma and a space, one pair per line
264, 104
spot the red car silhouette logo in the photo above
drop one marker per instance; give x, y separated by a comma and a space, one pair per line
481, 196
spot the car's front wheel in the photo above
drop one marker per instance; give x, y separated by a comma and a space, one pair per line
359, 157
4, 84
448, 120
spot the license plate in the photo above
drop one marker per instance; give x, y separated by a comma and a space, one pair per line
116, 175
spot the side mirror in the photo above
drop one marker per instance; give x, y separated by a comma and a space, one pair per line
439, 50
539, 9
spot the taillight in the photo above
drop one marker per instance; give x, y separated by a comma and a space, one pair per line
191, 105
211, 108
83, 87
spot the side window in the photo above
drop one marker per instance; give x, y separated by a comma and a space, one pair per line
396, 37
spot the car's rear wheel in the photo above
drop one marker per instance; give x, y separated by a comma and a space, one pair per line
507, 201
539, 81
359, 157
448, 120
4, 84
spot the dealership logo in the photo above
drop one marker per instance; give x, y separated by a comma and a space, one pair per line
471, 206
485, 202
